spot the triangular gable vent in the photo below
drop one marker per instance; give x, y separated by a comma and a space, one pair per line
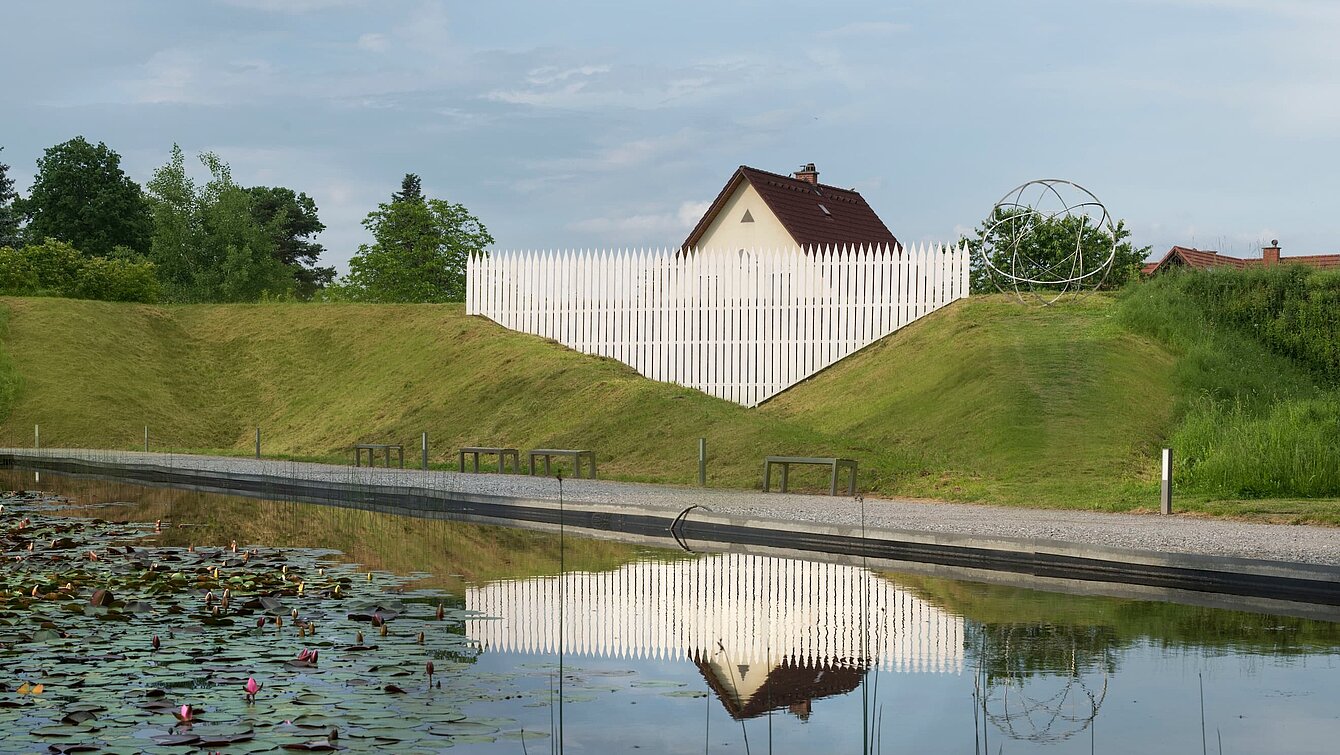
747, 217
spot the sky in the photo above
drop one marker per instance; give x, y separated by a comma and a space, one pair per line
1212, 123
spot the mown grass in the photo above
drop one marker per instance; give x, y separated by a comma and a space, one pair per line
984, 401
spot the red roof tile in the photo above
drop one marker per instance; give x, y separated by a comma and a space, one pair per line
800, 206
1204, 259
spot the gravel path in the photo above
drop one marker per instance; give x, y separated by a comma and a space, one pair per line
1176, 534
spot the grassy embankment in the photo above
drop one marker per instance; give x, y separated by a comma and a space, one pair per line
986, 400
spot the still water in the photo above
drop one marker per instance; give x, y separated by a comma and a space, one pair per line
669, 652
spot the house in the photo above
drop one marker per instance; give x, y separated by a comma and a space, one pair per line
762, 210
1180, 257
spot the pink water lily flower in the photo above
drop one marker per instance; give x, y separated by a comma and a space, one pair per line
185, 714
252, 688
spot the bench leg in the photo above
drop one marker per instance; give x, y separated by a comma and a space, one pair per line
786, 470
832, 481
767, 476
548, 472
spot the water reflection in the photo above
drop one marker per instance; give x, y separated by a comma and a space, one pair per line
766, 633
812, 654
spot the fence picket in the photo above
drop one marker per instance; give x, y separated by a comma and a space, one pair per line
743, 325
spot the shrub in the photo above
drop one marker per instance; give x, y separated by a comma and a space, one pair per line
17, 277
56, 264
108, 279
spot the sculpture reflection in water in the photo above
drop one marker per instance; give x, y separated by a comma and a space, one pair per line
766, 633
1041, 683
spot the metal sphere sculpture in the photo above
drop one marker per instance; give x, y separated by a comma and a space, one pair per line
1046, 239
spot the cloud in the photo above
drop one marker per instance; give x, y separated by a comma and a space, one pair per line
865, 29
667, 224
292, 7
373, 42
625, 155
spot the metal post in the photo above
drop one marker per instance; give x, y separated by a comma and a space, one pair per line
146, 439
702, 462
37, 437
425, 452
1166, 497
258, 443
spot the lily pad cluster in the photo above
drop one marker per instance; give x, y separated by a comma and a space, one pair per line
112, 643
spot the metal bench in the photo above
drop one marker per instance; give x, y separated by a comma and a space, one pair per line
503, 455
373, 448
833, 464
575, 454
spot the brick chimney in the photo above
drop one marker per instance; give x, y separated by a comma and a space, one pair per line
1270, 255
808, 173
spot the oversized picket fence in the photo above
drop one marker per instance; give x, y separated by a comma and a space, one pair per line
742, 326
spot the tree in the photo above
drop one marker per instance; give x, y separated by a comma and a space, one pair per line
81, 196
419, 250
292, 220
1046, 247
411, 189
207, 243
9, 215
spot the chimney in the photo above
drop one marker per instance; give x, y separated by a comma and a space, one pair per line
1270, 255
808, 173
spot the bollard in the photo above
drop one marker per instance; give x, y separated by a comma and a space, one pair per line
1165, 506
702, 462
146, 439
37, 437
425, 452
258, 443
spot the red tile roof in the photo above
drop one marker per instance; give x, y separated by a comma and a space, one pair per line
1204, 259
800, 206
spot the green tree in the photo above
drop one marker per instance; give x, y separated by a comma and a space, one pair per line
293, 223
419, 251
9, 215
81, 196
207, 242
174, 207
1046, 248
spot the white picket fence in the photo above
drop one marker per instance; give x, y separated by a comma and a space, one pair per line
742, 326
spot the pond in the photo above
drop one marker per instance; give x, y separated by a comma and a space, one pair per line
539, 644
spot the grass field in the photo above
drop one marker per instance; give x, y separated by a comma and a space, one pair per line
983, 401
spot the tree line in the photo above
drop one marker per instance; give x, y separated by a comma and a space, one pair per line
87, 230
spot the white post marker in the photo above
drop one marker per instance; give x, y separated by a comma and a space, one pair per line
1166, 497
37, 437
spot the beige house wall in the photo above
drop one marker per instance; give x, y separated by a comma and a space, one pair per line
727, 233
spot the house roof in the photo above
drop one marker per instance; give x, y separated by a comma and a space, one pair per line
800, 206
1204, 259
788, 684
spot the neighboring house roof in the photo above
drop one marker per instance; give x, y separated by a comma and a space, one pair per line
1204, 259
814, 214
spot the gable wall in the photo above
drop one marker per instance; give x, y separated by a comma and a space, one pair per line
727, 233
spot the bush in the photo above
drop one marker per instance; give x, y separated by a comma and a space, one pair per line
57, 265
54, 268
116, 280
17, 277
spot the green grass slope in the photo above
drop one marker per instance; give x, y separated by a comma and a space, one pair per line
985, 400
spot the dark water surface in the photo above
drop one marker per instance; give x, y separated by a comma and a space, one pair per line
670, 652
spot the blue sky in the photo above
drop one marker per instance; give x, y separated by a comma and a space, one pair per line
561, 124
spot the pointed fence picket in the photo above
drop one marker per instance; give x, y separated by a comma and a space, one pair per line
742, 326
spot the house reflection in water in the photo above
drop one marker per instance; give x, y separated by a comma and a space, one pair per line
767, 633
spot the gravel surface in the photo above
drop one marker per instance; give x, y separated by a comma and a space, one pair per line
1176, 534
